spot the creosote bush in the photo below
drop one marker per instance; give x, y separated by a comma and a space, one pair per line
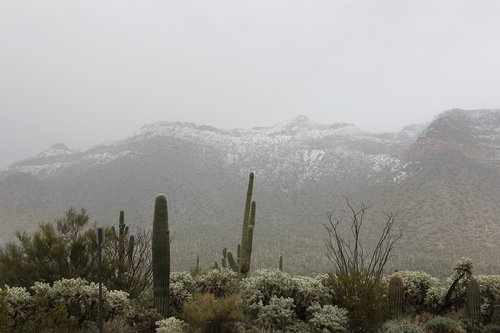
206, 314
443, 325
364, 297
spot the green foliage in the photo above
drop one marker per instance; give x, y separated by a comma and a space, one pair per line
161, 256
62, 307
171, 325
206, 314
491, 329
402, 326
143, 320
219, 282
416, 287
443, 325
127, 259
67, 249
490, 297
64, 249
276, 315
328, 318
363, 296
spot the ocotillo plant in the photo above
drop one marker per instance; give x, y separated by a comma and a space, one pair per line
161, 256
395, 295
473, 293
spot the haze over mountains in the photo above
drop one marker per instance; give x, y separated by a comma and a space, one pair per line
441, 178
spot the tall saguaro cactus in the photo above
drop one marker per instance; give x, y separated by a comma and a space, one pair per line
161, 256
244, 253
473, 293
395, 295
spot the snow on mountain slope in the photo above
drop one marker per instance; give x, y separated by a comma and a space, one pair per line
297, 146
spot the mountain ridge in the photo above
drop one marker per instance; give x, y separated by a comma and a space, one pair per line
440, 185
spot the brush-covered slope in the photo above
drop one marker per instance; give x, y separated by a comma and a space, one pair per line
442, 179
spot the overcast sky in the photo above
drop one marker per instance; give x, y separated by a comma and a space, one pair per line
88, 71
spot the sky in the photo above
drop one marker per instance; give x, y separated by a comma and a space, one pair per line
83, 72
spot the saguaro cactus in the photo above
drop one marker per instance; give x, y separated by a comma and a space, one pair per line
473, 293
281, 264
244, 251
395, 295
161, 256
247, 232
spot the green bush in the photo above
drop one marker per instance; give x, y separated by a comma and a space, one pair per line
443, 325
276, 315
171, 325
363, 296
402, 326
143, 320
491, 329
219, 282
206, 314
328, 318
416, 284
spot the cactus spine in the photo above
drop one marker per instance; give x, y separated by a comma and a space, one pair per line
161, 256
473, 293
395, 295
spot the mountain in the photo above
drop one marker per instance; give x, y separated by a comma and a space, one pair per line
441, 178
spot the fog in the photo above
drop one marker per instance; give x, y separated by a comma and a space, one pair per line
85, 72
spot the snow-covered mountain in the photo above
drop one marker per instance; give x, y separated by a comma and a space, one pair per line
442, 178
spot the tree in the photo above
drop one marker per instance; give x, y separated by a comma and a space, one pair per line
67, 248
347, 254
357, 280
63, 249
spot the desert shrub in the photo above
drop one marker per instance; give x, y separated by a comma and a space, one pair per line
111, 326
204, 313
490, 295
328, 318
5, 321
182, 287
143, 320
263, 285
276, 315
443, 325
492, 328
434, 299
29, 313
363, 296
65, 305
306, 291
299, 326
171, 325
219, 282
417, 284
402, 326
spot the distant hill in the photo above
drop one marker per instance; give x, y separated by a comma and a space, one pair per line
442, 179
